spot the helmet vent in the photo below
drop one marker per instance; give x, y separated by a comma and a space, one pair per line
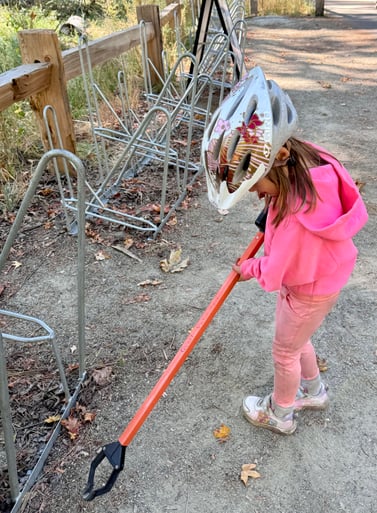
242, 168
251, 108
234, 107
217, 147
213, 122
289, 115
275, 107
233, 145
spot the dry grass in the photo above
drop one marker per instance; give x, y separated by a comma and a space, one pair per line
286, 7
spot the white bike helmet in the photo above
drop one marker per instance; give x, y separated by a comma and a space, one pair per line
245, 134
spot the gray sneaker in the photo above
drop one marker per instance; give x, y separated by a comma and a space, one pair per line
258, 412
305, 401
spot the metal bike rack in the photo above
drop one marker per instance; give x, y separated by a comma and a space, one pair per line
128, 142
137, 141
17, 495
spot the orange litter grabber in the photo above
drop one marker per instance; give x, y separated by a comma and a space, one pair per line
115, 451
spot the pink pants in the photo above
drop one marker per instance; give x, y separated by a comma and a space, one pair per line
297, 318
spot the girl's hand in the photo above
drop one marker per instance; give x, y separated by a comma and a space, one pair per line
237, 269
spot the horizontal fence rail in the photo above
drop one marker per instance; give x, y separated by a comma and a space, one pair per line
29, 79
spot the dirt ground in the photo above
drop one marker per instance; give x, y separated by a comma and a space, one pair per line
175, 463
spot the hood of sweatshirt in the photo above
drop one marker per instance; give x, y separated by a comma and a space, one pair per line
342, 211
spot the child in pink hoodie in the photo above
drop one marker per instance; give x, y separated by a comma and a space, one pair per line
314, 210
308, 257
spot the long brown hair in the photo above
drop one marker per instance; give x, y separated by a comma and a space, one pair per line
293, 180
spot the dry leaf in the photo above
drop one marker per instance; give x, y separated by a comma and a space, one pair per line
222, 433
322, 364
172, 221
89, 416
153, 207
72, 425
248, 470
249, 466
175, 256
46, 192
92, 234
182, 265
102, 376
72, 367
149, 282
141, 298
244, 477
128, 243
359, 184
52, 419
16, 264
174, 264
102, 255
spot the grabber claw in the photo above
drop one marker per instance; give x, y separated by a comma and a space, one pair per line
115, 453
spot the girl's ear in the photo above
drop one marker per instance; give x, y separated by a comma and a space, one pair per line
282, 155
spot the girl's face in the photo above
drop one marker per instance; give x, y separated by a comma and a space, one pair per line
264, 187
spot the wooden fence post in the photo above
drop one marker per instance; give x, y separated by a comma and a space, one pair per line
43, 46
151, 13
171, 22
254, 7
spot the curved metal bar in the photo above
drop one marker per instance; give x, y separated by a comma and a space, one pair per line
6, 417
5, 410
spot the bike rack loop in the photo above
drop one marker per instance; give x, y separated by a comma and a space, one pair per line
17, 495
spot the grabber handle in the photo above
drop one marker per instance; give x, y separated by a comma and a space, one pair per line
188, 345
114, 452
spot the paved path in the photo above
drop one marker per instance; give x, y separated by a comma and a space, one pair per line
362, 15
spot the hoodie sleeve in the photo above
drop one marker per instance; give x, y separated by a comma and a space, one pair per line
283, 250
295, 256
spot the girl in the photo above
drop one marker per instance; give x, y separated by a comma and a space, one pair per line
314, 210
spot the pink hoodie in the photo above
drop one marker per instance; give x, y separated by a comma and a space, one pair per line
312, 253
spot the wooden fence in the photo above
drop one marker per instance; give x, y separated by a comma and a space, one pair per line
43, 76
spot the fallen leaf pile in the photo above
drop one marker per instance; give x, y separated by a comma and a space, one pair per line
78, 416
174, 264
248, 470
